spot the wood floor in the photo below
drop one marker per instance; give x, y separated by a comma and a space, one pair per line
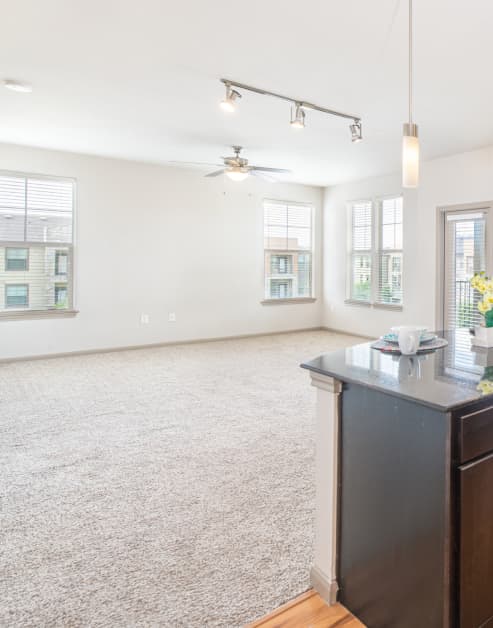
308, 611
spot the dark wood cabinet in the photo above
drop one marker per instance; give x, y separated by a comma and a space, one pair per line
416, 512
476, 543
414, 531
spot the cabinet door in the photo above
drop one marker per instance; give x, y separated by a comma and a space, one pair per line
476, 543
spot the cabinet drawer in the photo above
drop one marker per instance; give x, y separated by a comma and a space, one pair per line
475, 434
476, 544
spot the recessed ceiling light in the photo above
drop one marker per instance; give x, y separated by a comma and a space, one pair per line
18, 86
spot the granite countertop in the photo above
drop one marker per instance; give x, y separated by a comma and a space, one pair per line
443, 379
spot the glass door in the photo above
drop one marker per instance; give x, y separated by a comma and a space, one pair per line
465, 254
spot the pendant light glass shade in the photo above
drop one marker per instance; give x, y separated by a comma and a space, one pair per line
410, 156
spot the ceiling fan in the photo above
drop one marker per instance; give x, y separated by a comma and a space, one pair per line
237, 168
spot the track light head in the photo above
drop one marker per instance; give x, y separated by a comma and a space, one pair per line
298, 122
356, 131
229, 102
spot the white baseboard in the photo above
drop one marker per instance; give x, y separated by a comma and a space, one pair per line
154, 345
327, 589
346, 332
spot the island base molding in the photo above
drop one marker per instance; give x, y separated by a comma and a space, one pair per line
323, 572
326, 588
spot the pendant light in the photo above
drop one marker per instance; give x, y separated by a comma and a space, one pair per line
410, 141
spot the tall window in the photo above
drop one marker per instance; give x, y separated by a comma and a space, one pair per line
361, 250
375, 255
36, 243
390, 251
288, 250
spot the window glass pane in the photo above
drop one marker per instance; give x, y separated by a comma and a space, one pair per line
16, 259
35, 210
49, 226
275, 226
361, 225
390, 285
61, 295
12, 192
300, 216
40, 276
390, 255
16, 295
361, 277
299, 238
12, 224
281, 264
465, 255
398, 236
388, 237
361, 238
304, 274
288, 243
281, 289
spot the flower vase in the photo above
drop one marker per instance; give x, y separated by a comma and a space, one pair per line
483, 336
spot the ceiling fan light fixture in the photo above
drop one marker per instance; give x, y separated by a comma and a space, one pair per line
229, 102
298, 122
356, 131
236, 173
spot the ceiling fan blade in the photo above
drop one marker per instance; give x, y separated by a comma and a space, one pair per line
193, 163
264, 176
215, 174
278, 170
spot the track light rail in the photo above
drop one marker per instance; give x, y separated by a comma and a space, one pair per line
301, 103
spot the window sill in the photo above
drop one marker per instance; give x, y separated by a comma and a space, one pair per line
388, 306
379, 306
19, 315
356, 302
292, 301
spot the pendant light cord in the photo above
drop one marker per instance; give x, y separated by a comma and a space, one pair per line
410, 61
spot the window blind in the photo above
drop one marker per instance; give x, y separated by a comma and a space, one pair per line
288, 250
465, 255
36, 243
390, 252
361, 250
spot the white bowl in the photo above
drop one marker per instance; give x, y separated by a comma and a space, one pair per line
398, 328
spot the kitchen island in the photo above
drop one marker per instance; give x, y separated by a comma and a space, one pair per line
404, 474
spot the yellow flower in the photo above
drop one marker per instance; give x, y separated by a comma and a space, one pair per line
482, 307
485, 387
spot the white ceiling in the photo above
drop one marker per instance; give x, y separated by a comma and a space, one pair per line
140, 79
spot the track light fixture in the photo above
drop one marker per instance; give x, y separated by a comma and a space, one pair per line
298, 121
356, 131
229, 102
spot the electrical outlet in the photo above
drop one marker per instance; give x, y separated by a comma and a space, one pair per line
171, 317
144, 319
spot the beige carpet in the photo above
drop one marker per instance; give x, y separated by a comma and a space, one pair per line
158, 487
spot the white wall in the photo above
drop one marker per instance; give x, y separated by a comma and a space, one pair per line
464, 178
154, 239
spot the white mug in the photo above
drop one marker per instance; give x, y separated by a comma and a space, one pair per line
409, 338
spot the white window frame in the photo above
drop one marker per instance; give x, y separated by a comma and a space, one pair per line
374, 252
51, 312
290, 300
